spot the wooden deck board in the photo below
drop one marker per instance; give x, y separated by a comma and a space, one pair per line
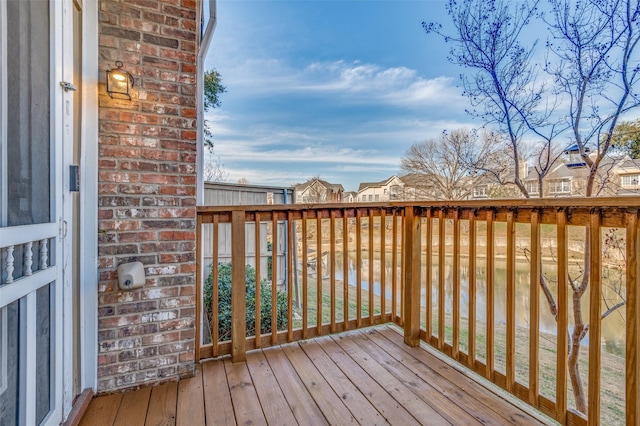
245, 401
393, 386
190, 410
302, 404
102, 410
133, 408
364, 412
423, 389
470, 387
162, 405
277, 411
450, 390
218, 407
367, 377
388, 407
327, 400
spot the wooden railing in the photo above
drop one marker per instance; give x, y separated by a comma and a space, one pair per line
450, 274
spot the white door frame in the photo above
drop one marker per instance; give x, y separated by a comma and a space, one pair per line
89, 196
88, 250
61, 119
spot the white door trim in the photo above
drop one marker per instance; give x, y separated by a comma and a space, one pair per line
89, 197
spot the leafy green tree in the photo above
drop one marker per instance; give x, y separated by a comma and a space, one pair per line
626, 137
213, 88
224, 303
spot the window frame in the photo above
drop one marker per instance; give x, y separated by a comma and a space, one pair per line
631, 178
480, 191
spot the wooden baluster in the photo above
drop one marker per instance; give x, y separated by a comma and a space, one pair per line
345, 266
199, 287
274, 278
358, 268
633, 327
215, 321
332, 268
490, 308
534, 309
394, 267
290, 275
511, 302
456, 286
258, 259
28, 258
595, 312
413, 253
472, 290
428, 276
371, 259
402, 272
563, 317
441, 289
305, 289
238, 287
318, 272
383, 266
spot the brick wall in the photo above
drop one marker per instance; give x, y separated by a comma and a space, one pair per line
147, 187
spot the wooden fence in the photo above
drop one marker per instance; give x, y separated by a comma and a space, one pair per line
418, 247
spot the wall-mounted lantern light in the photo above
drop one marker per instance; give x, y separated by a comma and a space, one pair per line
119, 82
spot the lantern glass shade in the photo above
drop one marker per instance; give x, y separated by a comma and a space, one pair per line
119, 82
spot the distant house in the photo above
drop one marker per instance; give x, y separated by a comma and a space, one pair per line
349, 197
391, 189
628, 173
318, 191
617, 176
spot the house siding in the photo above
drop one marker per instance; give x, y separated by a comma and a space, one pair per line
147, 192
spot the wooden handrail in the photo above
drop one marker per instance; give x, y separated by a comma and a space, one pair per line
320, 239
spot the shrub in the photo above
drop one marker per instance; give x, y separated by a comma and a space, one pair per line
224, 303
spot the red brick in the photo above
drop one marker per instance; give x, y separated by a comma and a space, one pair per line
163, 179
125, 237
179, 212
176, 235
188, 112
110, 151
109, 127
117, 177
129, 117
146, 174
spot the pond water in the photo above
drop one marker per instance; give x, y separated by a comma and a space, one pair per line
613, 327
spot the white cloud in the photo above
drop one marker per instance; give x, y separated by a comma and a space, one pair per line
353, 81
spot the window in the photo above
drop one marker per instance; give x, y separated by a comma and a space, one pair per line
377, 198
561, 186
630, 180
370, 197
480, 192
385, 191
532, 187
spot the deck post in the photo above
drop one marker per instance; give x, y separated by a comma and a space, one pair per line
412, 243
238, 287
633, 326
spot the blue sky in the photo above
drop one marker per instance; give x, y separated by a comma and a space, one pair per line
337, 89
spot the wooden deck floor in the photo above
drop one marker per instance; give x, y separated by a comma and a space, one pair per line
366, 377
